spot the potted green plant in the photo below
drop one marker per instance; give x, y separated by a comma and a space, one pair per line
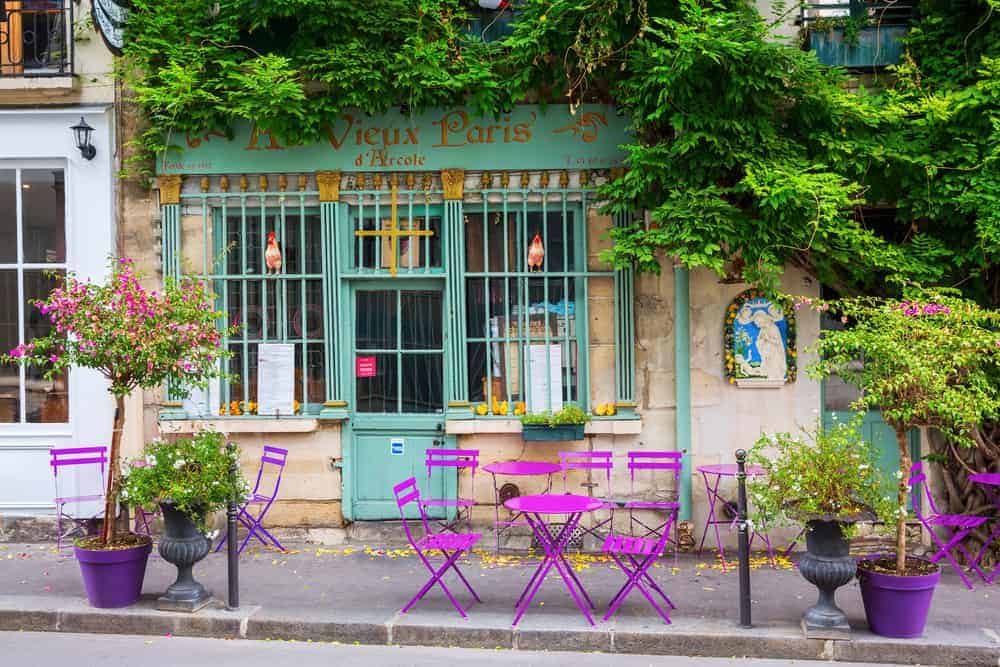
189, 478
566, 424
931, 359
137, 339
826, 480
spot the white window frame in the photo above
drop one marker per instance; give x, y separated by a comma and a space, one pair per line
21, 426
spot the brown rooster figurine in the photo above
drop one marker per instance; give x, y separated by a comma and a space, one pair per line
536, 253
272, 256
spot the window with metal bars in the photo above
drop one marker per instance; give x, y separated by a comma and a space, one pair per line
271, 306
526, 306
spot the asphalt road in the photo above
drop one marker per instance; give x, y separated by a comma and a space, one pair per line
31, 649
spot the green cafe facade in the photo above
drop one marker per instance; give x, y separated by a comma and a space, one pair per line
439, 275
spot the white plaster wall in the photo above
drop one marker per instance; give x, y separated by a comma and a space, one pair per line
41, 138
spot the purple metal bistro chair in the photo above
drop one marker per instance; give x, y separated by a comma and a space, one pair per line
275, 458
655, 461
78, 458
406, 492
635, 555
458, 459
601, 460
960, 525
989, 480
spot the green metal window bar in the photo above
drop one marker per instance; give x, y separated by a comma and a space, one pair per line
228, 233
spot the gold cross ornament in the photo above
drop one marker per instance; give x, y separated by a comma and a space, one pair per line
393, 233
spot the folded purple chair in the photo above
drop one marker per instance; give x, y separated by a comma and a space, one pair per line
457, 459
77, 460
451, 545
635, 555
960, 525
255, 508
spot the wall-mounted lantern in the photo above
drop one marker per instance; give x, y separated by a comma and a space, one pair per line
82, 132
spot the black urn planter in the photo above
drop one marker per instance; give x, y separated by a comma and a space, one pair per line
182, 545
828, 565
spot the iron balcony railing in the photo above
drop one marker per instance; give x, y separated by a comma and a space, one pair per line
36, 38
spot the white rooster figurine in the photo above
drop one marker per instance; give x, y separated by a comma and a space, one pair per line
536, 253
272, 256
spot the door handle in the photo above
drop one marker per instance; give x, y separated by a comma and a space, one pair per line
438, 443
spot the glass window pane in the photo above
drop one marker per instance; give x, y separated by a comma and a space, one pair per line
423, 389
375, 328
8, 217
475, 308
421, 320
46, 401
43, 200
314, 245
557, 251
316, 373
291, 250
477, 372
10, 405
379, 392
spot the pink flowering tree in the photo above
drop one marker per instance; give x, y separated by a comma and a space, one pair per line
137, 339
931, 359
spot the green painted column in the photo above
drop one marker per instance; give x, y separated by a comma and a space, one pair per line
682, 382
335, 405
170, 239
456, 354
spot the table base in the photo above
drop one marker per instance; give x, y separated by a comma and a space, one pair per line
553, 545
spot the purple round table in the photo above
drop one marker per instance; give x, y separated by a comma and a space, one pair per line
536, 509
515, 469
718, 471
989, 480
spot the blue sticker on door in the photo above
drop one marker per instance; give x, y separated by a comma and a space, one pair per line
397, 446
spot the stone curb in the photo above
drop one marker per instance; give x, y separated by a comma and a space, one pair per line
253, 623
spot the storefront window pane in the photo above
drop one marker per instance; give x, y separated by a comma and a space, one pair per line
10, 390
43, 200
8, 216
46, 401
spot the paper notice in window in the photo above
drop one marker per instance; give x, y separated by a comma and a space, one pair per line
203, 403
545, 372
275, 379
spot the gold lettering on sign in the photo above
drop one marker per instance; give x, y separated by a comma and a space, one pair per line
457, 130
255, 135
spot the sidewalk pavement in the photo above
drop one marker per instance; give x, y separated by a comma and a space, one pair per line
352, 594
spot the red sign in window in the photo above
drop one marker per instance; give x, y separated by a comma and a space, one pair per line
364, 367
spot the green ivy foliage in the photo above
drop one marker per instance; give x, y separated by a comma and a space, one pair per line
748, 153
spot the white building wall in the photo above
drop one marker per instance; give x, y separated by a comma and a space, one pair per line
41, 137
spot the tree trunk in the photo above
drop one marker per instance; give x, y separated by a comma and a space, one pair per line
114, 467
904, 487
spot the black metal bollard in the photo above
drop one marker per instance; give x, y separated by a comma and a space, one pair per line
233, 568
741, 478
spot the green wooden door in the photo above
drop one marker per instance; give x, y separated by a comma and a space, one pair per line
876, 431
397, 383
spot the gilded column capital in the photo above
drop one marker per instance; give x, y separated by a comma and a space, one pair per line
170, 189
453, 181
329, 185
